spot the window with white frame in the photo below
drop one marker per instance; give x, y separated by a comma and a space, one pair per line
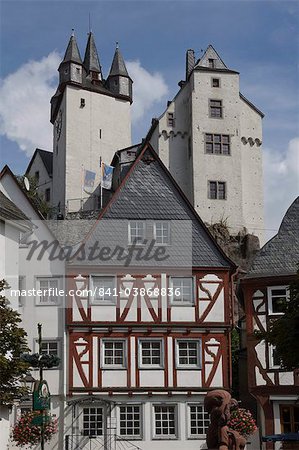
165, 420
162, 233
150, 353
50, 348
188, 353
183, 290
136, 232
103, 288
130, 421
198, 420
274, 360
113, 353
93, 421
48, 291
277, 298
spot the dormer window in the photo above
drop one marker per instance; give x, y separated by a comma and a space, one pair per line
136, 232
277, 298
212, 63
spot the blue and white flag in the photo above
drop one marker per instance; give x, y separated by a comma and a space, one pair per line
107, 172
89, 180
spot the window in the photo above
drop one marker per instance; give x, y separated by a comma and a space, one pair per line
103, 288
289, 418
113, 354
49, 291
170, 119
217, 190
36, 176
198, 420
22, 287
183, 290
274, 360
50, 348
188, 353
150, 353
165, 418
216, 82
216, 108
130, 421
136, 232
162, 233
212, 62
219, 144
47, 194
93, 422
277, 297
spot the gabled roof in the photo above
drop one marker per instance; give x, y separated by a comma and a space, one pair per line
91, 59
72, 53
148, 192
280, 255
118, 66
47, 159
10, 211
210, 53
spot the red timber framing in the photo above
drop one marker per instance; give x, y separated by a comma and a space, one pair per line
214, 355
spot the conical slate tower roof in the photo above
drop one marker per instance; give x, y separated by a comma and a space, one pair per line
72, 53
91, 58
118, 66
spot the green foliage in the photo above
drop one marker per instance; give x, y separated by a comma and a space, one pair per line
235, 347
38, 201
12, 344
44, 361
283, 333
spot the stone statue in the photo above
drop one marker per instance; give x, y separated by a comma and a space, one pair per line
218, 404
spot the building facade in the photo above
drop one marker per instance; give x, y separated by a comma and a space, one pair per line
266, 288
209, 138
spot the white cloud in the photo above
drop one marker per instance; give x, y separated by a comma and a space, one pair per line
24, 109
148, 89
281, 179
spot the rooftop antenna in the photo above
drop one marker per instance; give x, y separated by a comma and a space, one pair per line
89, 22
73, 32
116, 45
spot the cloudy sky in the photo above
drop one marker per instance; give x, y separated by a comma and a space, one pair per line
257, 38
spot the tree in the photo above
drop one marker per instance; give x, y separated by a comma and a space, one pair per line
283, 333
12, 344
38, 201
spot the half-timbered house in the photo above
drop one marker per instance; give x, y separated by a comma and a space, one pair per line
148, 319
265, 289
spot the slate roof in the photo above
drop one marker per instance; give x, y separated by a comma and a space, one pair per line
9, 211
72, 53
280, 255
118, 66
91, 59
47, 158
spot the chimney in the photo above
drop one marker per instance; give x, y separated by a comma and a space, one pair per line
190, 62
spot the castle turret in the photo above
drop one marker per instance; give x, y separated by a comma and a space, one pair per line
70, 69
119, 81
91, 59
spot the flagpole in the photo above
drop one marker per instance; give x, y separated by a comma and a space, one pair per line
101, 182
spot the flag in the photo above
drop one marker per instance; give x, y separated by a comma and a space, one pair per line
89, 179
107, 172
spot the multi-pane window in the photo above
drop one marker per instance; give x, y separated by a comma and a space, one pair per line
150, 353
215, 82
165, 421
217, 190
216, 108
198, 420
136, 232
289, 418
162, 233
93, 422
50, 348
219, 144
170, 119
48, 288
183, 291
113, 353
188, 353
277, 298
103, 288
130, 420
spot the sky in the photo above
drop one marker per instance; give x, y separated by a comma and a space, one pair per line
259, 39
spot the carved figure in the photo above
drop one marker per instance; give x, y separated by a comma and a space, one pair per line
218, 404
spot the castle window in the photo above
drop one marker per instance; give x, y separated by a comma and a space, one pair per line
103, 288
150, 353
183, 290
188, 353
216, 82
277, 298
198, 420
217, 190
162, 233
136, 232
82, 102
170, 119
216, 109
113, 354
130, 421
93, 421
78, 70
165, 420
289, 418
218, 144
212, 63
